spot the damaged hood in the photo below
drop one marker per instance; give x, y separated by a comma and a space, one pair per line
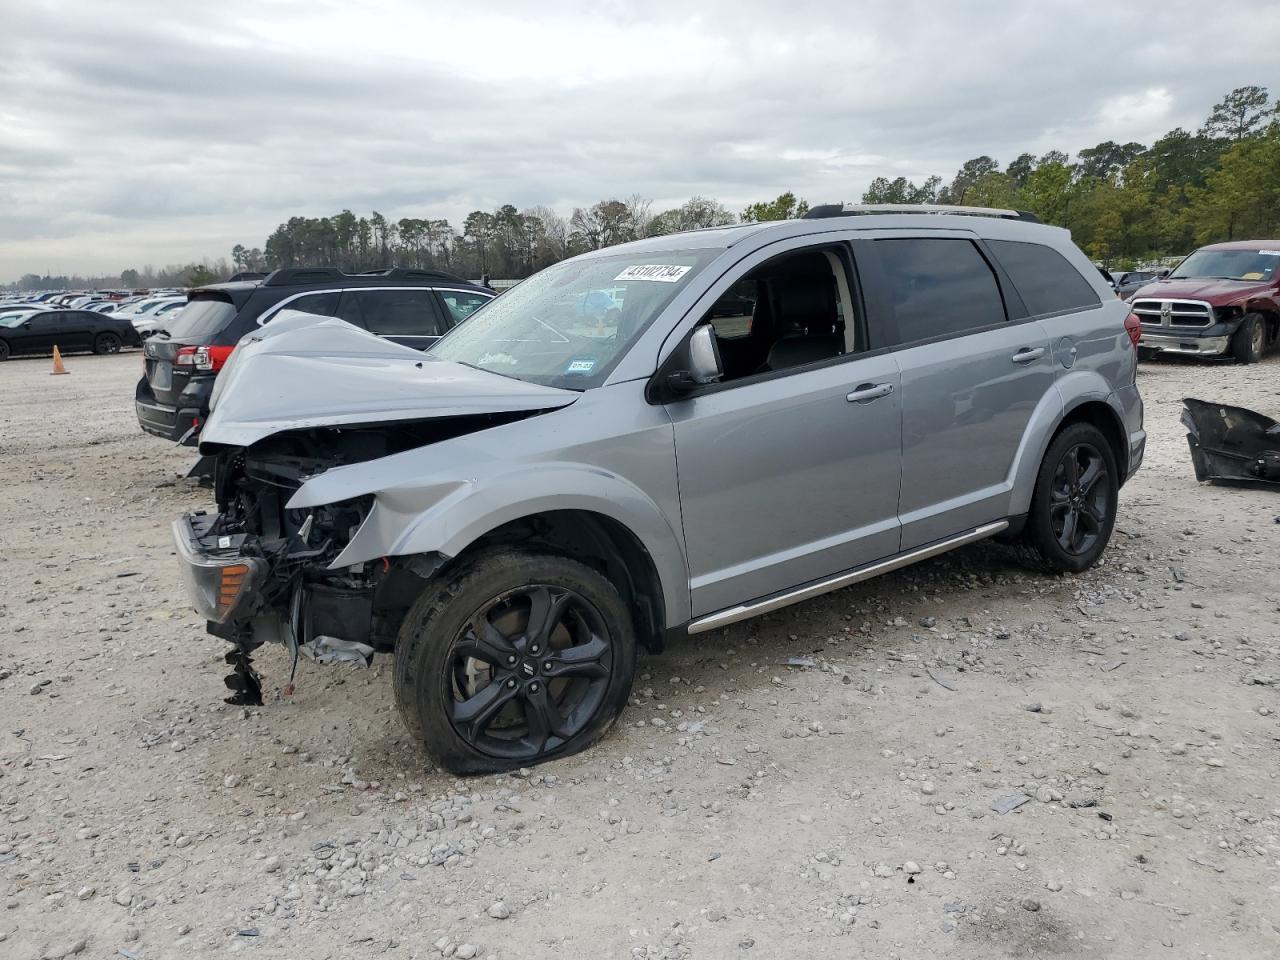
1220, 293
302, 371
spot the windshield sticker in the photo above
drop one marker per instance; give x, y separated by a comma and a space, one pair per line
1255, 275
653, 271
581, 366
1270, 253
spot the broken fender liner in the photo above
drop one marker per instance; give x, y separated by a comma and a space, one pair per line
1232, 444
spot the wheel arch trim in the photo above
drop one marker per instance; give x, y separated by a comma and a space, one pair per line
463, 512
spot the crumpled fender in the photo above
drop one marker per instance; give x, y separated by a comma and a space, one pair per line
447, 513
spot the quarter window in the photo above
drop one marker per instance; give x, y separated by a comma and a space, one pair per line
1044, 279
321, 304
938, 287
462, 305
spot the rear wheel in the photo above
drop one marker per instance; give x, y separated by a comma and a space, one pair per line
1250, 341
513, 659
4, 351
106, 343
1073, 508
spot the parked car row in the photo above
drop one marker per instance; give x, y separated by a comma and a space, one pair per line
39, 331
72, 320
184, 354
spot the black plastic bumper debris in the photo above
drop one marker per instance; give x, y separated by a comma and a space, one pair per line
1232, 444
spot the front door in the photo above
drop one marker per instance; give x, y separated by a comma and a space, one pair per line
787, 480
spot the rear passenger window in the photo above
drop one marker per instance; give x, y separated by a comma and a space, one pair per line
1045, 280
399, 313
938, 287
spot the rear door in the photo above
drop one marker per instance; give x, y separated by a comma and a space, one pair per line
76, 330
971, 377
407, 315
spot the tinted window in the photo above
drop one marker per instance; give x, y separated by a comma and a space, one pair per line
399, 313
938, 288
321, 304
1044, 278
462, 305
202, 318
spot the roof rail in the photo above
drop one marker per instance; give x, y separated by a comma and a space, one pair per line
861, 209
293, 276
289, 276
412, 273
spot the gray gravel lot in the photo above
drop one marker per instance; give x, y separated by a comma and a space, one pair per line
820, 783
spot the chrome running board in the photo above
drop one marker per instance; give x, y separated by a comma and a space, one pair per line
746, 611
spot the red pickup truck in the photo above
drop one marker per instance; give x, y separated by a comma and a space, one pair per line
1224, 299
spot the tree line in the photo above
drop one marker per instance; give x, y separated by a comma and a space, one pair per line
1122, 202
1125, 202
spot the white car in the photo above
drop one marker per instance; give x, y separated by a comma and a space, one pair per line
158, 316
141, 308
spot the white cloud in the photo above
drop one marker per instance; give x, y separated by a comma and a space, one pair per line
141, 131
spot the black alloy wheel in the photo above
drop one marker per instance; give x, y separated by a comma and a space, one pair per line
1079, 505
4, 351
1074, 502
528, 671
106, 343
512, 657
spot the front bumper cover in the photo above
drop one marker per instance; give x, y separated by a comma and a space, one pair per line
1185, 343
223, 584
1232, 443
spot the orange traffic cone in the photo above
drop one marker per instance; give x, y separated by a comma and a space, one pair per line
57, 362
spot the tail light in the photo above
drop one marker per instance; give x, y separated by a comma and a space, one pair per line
210, 359
1133, 327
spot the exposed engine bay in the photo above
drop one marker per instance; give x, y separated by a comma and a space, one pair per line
264, 569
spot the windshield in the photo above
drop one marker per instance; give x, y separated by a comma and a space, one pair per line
1229, 265
569, 325
199, 318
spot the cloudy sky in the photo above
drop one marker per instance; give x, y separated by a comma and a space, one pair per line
136, 132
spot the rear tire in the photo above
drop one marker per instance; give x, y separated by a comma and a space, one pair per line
1250, 341
106, 343
513, 658
4, 351
1073, 507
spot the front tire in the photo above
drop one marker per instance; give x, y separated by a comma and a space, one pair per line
1073, 507
4, 351
513, 658
1250, 341
106, 343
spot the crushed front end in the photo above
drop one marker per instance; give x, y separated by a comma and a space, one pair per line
259, 572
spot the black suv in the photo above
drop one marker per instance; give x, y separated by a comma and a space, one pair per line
412, 307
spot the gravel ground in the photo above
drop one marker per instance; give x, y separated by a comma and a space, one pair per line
819, 783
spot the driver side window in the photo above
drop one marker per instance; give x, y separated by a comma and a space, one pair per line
793, 311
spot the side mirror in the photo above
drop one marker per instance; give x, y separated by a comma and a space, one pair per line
695, 364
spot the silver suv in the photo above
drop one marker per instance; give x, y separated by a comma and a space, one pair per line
654, 439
